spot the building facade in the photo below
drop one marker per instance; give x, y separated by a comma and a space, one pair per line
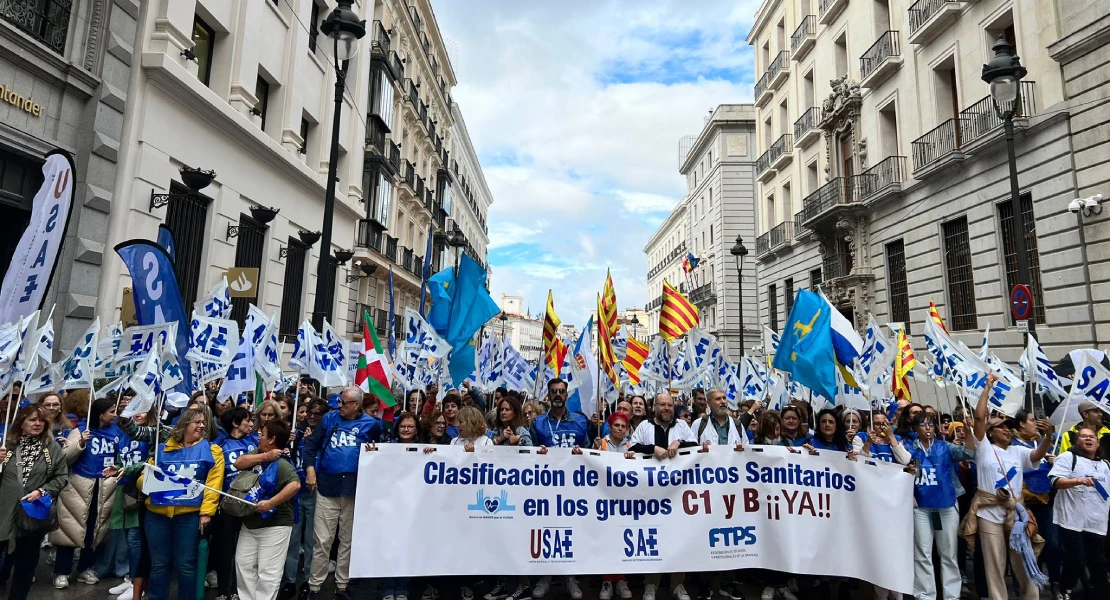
469, 197
247, 91
524, 332
883, 174
64, 70
718, 207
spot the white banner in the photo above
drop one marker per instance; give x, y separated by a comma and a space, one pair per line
598, 513
33, 262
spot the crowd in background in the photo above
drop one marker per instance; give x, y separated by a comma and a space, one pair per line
73, 475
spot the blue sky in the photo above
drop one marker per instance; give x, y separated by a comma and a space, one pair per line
575, 108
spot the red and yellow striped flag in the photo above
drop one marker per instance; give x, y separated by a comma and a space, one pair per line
605, 346
607, 307
905, 363
634, 359
678, 315
554, 350
934, 314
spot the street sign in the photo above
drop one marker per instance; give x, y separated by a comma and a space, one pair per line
1021, 302
1023, 326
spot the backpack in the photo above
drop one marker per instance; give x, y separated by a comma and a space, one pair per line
235, 503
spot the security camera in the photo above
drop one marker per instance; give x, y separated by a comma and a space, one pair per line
1088, 206
1075, 206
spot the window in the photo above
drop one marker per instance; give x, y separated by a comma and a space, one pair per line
383, 199
841, 49
1009, 251
292, 288
313, 25
710, 234
815, 279
381, 98
262, 95
888, 130
304, 136
248, 253
204, 41
185, 218
961, 282
896, 283
788, 294
773, 307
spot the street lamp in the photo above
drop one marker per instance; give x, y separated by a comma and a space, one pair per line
635, 322
503, 318
345, 30
456, 240
1004, 73
738, 252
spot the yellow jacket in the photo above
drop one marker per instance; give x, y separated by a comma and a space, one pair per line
211, 499
1065, 444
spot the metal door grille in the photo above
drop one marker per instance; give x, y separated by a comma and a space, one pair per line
788, 294
292, 290
896, 277
248, 253
1009, 251
186, 218
961, 280
773, 307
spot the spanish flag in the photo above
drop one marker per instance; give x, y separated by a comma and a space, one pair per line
903, 366
554, 350
934, 314
634, 359
677, 316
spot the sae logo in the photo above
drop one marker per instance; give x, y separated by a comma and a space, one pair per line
490, 505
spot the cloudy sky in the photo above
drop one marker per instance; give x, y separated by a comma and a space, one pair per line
575, 108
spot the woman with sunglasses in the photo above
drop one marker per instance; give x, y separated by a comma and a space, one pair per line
174, 521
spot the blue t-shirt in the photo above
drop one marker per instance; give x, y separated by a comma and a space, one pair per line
1036, 480
234, 448
934, 486
100, 452
881, 452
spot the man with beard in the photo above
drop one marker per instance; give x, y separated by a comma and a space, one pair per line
662, 437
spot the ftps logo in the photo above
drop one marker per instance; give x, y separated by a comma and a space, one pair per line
490, 505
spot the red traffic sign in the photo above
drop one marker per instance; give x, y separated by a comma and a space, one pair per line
1021, 302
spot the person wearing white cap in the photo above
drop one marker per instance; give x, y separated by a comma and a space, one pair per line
1092, 417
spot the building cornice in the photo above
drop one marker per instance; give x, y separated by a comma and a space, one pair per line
1081, 41
762, 16
667, 224
711, 128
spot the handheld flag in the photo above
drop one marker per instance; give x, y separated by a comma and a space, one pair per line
934, 314
372, 374
903, 366
605, 343
554, 350
607, 306
677, 315
806, 346
634, 359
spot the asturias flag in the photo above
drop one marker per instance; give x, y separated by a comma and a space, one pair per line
806, 347
372, 374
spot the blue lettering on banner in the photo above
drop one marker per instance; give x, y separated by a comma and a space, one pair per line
732, 536
551, 544
29, 289
641, 543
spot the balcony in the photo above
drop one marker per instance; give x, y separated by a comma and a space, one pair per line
763, 244
703, 294
830, 9
779, 69
393, 153
47, 22
800, 230
367, 237
984, 127
419, 188
804, 37
881, 60
881, 181
408, 175
417, 265
412, 94
679, 250
763, 170
406, 258
763, 91
927, 18
806, 130
831, 195
836, 266
782, 151
396, 67
375, 134
939, 148
379, 43
390, 251
782, 235
429, 199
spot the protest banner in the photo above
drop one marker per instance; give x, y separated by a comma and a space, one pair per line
563, 514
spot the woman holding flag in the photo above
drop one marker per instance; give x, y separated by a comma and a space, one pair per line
178, 510
1081, 477
85, 505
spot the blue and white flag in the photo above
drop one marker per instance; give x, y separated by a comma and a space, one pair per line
1039, 369
49, 381
338, 348
517, 371
583, 369
138, 341
216, 303
267, 354
877, 357
1092, 383
78, 368
172, 373
299, 358
162, 486
212, 340
147, 383
324, 365
770, 340
240, 375
11, 340
32, 264
165, 240
958, 364
984, 348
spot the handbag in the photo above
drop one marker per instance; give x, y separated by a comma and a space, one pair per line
235, 503
37, 525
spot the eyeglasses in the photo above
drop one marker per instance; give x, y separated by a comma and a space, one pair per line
558, 392
346, 402
1087, 437
317, 413
200, 423
440, 423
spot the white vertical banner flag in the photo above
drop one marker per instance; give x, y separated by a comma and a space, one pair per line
337, 348
212, 340
147, 383
299, 358
36, 254
1092, 383
240, 375
322, 364
1039, 369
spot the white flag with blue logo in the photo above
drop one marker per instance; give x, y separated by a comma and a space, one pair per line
1092, 383
770, 340
1035, 363
79, 366
217, 303
137, 341
517, 371
212, 340
299, 359
240, 375
163, 486
323, 365
147, 383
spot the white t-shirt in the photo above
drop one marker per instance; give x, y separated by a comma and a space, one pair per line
1081, 508
478, 441
679, 431
1015, 461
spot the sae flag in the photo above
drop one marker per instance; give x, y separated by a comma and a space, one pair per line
1092, 383
163, 486
36, 254
806, 346
157, 297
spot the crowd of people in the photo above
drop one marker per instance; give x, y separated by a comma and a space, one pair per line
73, 474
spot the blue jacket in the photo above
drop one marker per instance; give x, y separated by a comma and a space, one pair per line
935, 486
560, 433
100, 451
333, 449
1036, 480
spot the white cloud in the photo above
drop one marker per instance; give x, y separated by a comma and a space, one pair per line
576, 108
